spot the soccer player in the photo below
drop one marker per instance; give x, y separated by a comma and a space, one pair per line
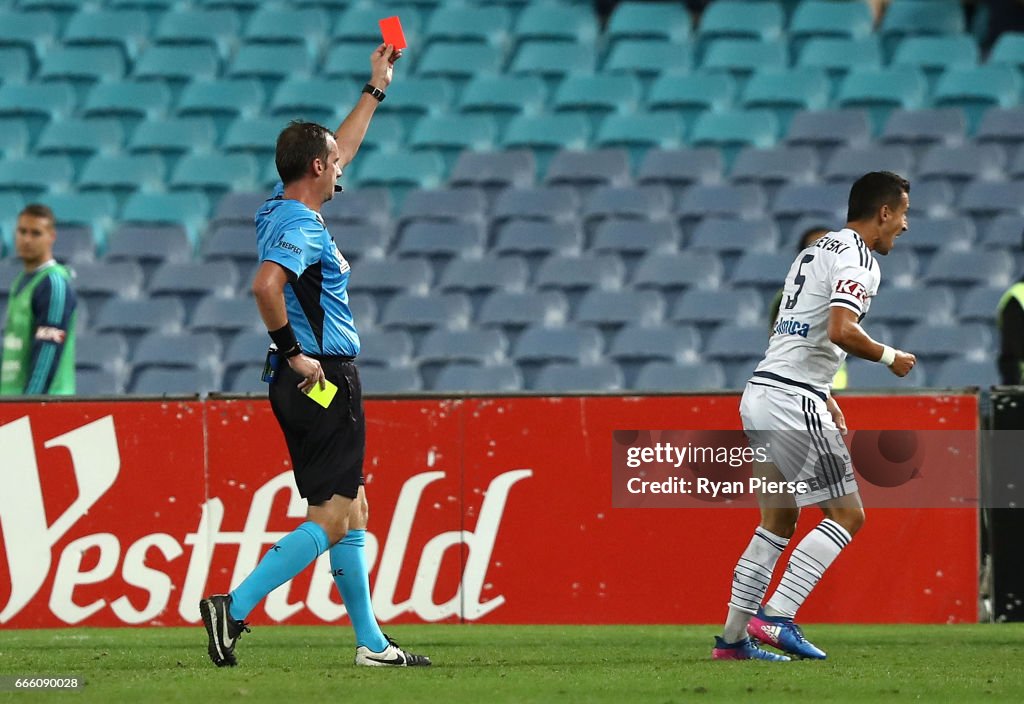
39, 330
789, 415
301, 290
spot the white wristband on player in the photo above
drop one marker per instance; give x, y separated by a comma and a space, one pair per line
888, 356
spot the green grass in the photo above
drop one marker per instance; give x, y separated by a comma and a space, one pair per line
619, 664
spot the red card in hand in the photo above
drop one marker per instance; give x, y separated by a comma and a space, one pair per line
391, 28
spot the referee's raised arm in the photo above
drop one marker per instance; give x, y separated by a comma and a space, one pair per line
352, 130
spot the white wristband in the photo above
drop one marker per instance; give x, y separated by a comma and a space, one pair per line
888, 356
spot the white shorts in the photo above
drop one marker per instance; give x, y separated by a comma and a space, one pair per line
799, 436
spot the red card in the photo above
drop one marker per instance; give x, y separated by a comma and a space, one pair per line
391, 28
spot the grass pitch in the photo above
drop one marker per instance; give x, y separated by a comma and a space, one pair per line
619, 664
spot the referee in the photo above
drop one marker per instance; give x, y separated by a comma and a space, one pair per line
301, 289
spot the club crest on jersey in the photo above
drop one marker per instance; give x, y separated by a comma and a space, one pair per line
852, 288
792, 326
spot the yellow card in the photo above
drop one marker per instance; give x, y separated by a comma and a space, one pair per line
323, 396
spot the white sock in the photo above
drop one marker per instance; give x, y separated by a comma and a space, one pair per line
750, 580
810, 558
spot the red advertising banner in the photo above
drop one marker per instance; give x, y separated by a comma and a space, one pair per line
494, 510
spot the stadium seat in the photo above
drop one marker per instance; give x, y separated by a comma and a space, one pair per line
824, 202
80, 138
922, 17
647, 58
191, 281
150, 246
418, 97
97, 382
1005, 231
639, 133
960, 373
556, 204
786, 91
483, 25
347, 61
744, 201
848, 164
731, 130
569, 378
36, 103
34, 31
385, 348
107, 351
741, 57
176, 65
881, 91
471, 378
827, 130
763, 270
77, 244
269, 63
93, 210
253, 137
503, 96
646, 21
1009, 50
138, 316
247, 380
385, 134
96, 282
390, 381
775, 166
734, 236
934, 198
979, 304
648, 203
125, 29
517, 310
553, 60
735, 342
278, 25
248, 347
815, 18
357, 24
635, 237
925, 128
953, 234
197, 350
451, 134
314, 99
14, 138
958, 164
547, 133
479, 346
494, 171
122, 174
578, 345
484, 275
870, 375
82, 66
221, 315
566, 23
691, 95
838, 56
459, 61
936, 54
188, 210
445, 240
580, 273
640, 343
969, 340
214, 174
411, 276
464, 205
363, 205
933, 304
978, 88
401, 170
958, 268
754, 20
1016, 170
1002, 126
129, 101
221, 99
673, 272
451, 311
174, 382
598, 95
743, 306
617, 308
679, 168
663, 376
992, 197
587, 170
218, 28
34, 176
172, 137
529, 237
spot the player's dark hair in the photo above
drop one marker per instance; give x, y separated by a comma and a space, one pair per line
872, 191
38, 210
297, 146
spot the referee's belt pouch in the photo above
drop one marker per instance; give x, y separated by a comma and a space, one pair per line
271, 365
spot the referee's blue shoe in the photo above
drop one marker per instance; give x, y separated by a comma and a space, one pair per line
745, 649
785, 635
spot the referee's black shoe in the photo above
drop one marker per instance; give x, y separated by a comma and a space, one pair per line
223, 630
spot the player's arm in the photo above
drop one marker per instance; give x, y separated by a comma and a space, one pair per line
845, 332
268, 289
352, 130
53, 303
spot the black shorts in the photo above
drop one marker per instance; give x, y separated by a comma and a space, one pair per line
326, 445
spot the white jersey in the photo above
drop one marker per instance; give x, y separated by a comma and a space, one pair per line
837, 270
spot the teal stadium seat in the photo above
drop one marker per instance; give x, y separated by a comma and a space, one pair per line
80, 139
459, 61
37, 103
741, 57
401, 171
316, 99
644, 21
17, 64
838, 56
14, 137
177, 65
123, 174
648, 58
731, 130
596, 96
690, 95
386, 134
269, 63
921, 17
483, 25
34, 176
215, 173
217, 28
82, 66
881, 91
450, 134
640, 132
277, 25
257, 137
34, 31
786, 91
358, 25
1009, 50
504, 96
552, 60
223, 100
172, 137
189, 210
94, 210
418, 97
741, 20
129, 101
126, 29
544, 134
977, 89
819, 19
566, 23
936, 54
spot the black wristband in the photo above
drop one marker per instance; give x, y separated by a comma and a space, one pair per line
285, 340
375, 92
